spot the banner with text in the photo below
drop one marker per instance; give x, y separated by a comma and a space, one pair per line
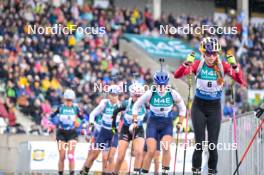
162, 47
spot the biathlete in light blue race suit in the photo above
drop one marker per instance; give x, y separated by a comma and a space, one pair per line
160, 123
106, 139
67, 118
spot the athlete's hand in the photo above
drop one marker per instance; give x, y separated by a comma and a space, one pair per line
132, 127
49, 129
91, 127
259, 111
135, 120
85, 124
179, 124
114, 130
190, 59
83, 132
231, 59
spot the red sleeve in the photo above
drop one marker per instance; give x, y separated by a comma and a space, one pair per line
182, 70
237, 76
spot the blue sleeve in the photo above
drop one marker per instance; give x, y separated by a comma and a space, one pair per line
86, 117
54, 117
79, 115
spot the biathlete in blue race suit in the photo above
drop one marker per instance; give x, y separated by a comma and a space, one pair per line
160, 123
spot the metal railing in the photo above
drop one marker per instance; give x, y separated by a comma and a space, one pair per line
254, 161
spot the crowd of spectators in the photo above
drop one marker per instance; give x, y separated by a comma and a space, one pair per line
35, 69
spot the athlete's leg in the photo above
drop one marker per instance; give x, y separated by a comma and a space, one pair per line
105, 155
166, 142
151, 135
111, 159
199, 124
138, 146
144, 152
92, 146
93, 154
101, 142
110, 164
151, 149
157, 157
122, 147
213, 127
156, 162
62, 151
124, 139
71, 150
165, 138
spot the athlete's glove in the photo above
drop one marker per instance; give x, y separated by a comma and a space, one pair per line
114, 130
85, 124
179, 123
190, 59
135, 121
91, 127
259, 111
178, 126
231, 60
132, 127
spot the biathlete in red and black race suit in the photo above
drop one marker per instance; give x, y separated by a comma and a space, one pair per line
206, 106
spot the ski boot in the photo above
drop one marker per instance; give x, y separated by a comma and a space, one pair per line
196, 171
211, 172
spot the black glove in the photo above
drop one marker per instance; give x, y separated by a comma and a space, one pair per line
178, 126
91, 127
259, 111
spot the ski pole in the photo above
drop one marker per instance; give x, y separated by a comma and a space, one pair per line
234, 120
131, 154
175, 158
187, 118
250, 144
89, 135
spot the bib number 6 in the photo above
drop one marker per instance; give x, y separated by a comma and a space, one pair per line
209, 84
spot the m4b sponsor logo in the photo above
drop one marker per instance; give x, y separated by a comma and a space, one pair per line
162, 101
208, 73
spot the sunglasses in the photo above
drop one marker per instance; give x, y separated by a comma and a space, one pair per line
113, 94
210, 54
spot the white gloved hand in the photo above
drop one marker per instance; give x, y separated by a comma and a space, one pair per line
132, 127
